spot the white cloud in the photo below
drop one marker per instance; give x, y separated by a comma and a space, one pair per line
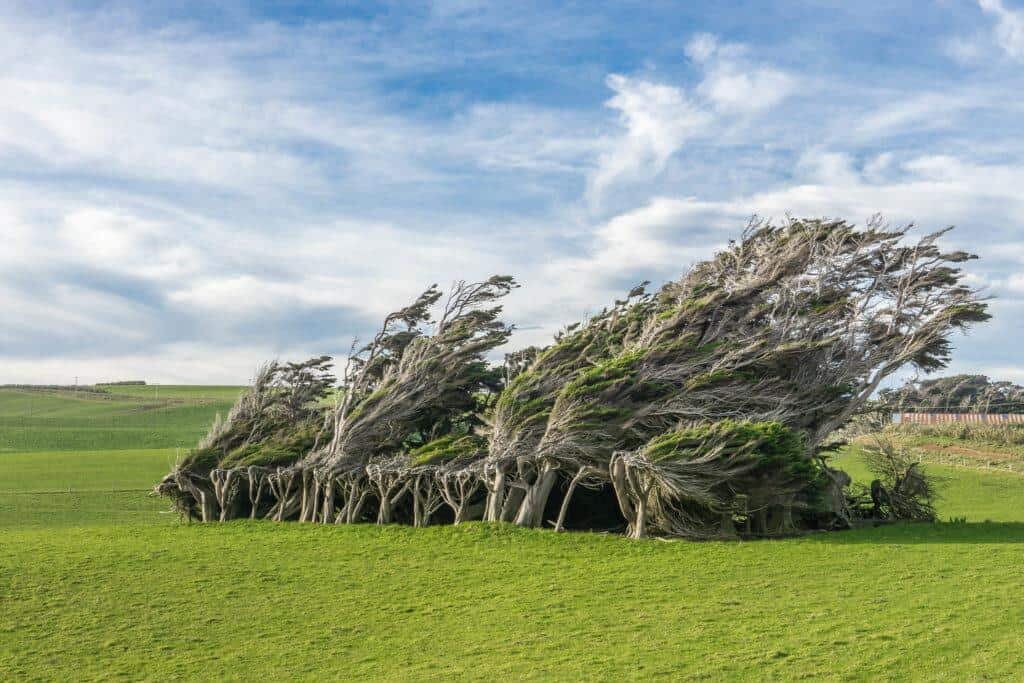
1009, 29
732, 85
932, 191
876, 168
916, 113
526, 138
649, 242
701, 47
1015, 283
658, 119
108, 239
966, 50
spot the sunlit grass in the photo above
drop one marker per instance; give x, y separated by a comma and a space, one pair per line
139, 419
101, 583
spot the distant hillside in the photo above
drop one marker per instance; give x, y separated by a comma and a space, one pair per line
38, 418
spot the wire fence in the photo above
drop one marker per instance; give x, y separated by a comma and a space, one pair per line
966, 418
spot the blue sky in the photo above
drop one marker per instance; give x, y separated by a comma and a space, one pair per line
187, 189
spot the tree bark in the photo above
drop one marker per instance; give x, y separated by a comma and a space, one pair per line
617, 473
513, 498
531, 510
495, 496
327, 516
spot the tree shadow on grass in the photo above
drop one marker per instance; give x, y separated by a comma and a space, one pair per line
938, 532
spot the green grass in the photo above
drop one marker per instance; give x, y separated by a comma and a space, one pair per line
978, 495
97, 584
132, 418
48, 512
973, 446
120, 470
261, 600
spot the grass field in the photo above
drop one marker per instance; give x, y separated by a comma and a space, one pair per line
973, 446
98, 584
130, 417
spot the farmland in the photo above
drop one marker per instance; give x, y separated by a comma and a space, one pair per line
97, 583
128, 417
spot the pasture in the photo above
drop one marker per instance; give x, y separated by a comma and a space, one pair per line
97, 583
118, 418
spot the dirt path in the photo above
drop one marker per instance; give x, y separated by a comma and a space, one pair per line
966, 451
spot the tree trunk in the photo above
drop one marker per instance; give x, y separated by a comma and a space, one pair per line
640, 529
417, 503
786, 524
727, 529
531, 511
357, 509
617, 473
513, 498
228, 492
314, 507
256, 481
640, 493
495, 496
583, 471
384, 511
310, 496
327, 516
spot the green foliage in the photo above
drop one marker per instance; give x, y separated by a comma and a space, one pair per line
771, 443
432, 384
778, 453
202, 459
604, 375
1001, 435
714, 378
447, 448
282, 448
902, 489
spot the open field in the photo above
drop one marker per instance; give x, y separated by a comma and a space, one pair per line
129, 417
98, 584
965, 445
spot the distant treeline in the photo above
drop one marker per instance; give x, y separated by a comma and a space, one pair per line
56, 387
132, 382
955, 394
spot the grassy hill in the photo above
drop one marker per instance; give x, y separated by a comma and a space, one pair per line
96, 583
126, 417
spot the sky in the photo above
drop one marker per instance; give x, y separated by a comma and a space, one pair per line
190, 188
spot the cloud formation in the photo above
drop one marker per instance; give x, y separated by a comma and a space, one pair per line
1009, 29
183, 199
657, 120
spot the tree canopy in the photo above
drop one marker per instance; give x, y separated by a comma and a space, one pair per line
699, 409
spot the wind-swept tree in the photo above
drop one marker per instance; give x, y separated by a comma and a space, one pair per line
408, 388
700, 410
795, 324
275, 422
409, 400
